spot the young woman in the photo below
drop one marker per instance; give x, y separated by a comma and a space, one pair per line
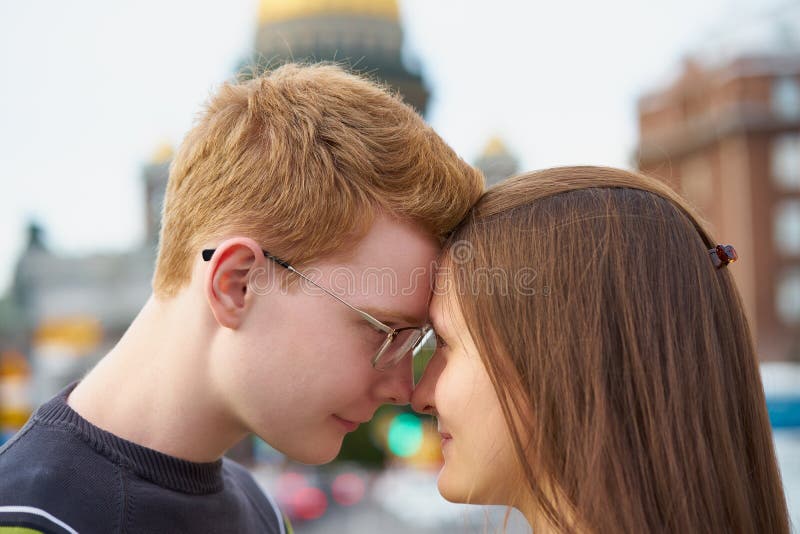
595, 368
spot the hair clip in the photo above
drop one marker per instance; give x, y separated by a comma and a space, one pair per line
722, 255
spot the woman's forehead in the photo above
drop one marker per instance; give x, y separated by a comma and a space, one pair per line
444, 311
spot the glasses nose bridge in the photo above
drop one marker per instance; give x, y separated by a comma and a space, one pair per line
392, 353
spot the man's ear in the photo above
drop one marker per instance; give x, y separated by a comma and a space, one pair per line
227, 279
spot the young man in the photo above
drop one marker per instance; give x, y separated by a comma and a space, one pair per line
292, 196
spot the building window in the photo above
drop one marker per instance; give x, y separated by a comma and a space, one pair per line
786, 160
787, 297
786, 97
787, 227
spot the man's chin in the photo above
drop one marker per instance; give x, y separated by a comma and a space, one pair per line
315, 454
310, 448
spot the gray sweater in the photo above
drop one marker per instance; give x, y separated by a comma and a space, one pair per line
61, 474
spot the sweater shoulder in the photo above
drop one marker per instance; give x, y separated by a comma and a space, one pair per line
50, 472
266, 506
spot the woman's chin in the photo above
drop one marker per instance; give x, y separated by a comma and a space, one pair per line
455, 491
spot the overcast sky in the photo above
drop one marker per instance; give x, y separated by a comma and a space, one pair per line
89, 89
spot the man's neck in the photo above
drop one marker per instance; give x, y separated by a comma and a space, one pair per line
154, 388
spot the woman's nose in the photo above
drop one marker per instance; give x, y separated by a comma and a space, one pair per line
422, 399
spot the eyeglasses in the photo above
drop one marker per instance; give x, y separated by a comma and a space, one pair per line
398, 342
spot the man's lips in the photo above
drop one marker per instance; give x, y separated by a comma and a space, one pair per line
349, 425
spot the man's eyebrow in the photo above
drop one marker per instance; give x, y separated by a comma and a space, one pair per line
392, 316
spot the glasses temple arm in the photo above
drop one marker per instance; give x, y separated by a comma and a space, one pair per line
208, 253
372, 320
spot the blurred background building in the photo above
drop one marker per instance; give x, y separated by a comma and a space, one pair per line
362, 34
726, 135
496, 161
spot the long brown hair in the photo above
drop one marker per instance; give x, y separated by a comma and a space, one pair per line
624, 362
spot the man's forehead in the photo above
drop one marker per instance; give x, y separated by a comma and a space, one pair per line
395, 243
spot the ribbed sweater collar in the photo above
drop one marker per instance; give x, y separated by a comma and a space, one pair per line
161, 469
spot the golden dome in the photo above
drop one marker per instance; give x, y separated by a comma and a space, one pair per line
495, 147
162, 154
279, 10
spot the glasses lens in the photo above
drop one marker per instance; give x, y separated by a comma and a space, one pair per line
406, 341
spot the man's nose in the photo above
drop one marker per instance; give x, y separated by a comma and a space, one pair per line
397, 383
